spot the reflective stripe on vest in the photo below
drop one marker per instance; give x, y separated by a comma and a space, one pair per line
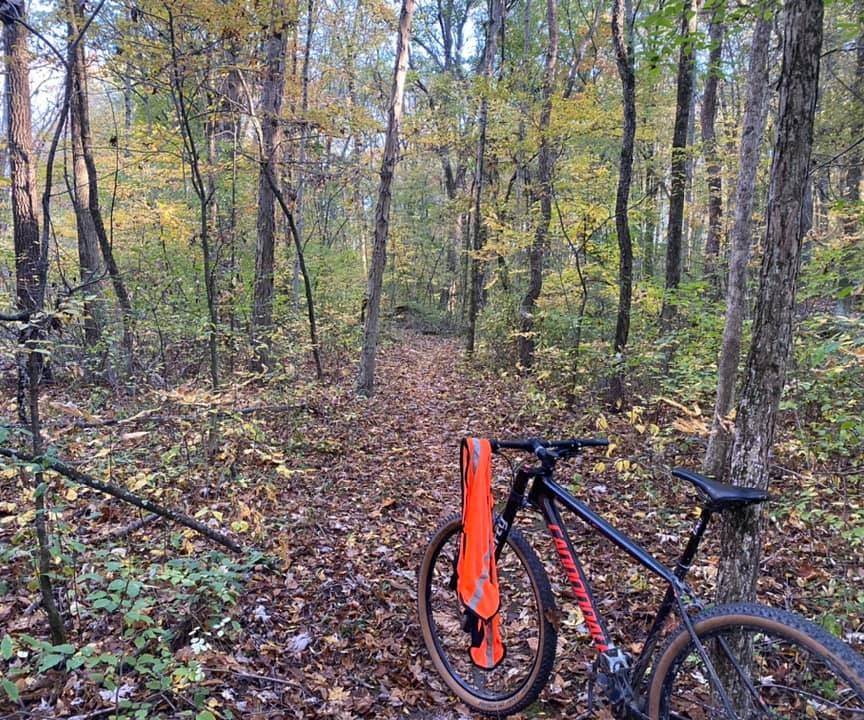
490, 651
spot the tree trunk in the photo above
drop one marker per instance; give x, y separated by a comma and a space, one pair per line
475, 284
772, 328
31, 258
622, 38
209, 224
366, 378
739, 244
80, 113
304, 136
31, 270
185, 112
652, 187
713, 168
272, 94
678, 175
522, 170
852, 181
90, 267
545, 169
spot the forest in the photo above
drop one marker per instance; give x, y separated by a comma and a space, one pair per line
263, 265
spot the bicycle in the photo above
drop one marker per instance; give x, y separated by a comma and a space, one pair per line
730, 662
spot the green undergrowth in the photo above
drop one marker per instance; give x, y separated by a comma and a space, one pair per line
159, 613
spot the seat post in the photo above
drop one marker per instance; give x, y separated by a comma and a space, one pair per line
682, 567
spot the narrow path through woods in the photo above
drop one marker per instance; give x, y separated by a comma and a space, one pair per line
378, 476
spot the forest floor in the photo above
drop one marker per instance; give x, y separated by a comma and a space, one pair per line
344, 493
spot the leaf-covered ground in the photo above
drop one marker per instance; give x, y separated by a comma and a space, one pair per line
341, 493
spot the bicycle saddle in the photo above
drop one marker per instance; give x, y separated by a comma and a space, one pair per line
722, 496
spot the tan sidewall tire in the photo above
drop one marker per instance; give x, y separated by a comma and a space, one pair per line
760, 618
544, 659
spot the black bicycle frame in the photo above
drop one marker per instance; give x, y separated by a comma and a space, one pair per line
543, 494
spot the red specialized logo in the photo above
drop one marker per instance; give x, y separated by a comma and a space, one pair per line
581, 592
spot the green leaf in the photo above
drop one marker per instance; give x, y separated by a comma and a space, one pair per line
75, 662
49, 661
10, 689
6, 648
205, 715
105, 604
832, 625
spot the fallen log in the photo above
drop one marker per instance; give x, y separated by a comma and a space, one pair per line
123, 494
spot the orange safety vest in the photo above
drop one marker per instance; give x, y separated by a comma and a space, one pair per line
477, 575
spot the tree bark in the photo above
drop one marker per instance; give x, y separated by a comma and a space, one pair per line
545, 168
739, 244
713, 168
272, 95
494, 27
772, 328
622, 39
366, 377
678, 179
5, 194
31, 271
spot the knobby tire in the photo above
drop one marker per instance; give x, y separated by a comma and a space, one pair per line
791, 669
527, 604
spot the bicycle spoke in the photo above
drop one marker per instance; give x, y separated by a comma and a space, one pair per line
768, 677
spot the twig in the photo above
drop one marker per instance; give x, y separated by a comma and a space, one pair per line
251, 676
131, 527
123, 494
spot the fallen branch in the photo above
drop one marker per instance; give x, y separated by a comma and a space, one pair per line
131, 527
15, 317
144, 416
124, 495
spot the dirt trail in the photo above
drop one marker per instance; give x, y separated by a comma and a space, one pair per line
353, 531
376, 477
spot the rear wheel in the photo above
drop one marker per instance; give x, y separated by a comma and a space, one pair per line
772, 664
526, 606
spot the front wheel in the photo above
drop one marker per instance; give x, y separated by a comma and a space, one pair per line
529, 637
771, 663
